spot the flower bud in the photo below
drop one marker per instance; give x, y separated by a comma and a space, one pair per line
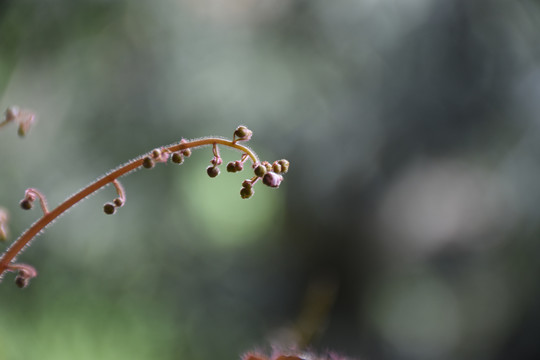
22, 281
260, 170
118, 202
26, 204
272, 179
246, 192
109, 209
243, 133
231, 167
186, 152
284, 165
212, 171
216, 161
276, 167
148, 163
156, 153
238, 165
177, 158
247, 183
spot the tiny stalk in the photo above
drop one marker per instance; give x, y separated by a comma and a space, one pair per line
269, 173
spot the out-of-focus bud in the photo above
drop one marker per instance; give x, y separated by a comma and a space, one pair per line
26, 124
11, 113
3, 224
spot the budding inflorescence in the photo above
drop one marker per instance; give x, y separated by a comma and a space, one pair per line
270, 174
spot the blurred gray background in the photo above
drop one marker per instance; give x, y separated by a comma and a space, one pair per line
408, 226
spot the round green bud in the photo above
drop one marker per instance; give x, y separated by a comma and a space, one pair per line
247, 183
177, 158
148, 163
276, 167
26, 204
109, 208
243, 133
284, 165
246, 192
212, 171
260, 170
231, 167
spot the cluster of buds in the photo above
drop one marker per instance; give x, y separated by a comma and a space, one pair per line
110, 207
155, 156
178, 157
25, 119
269, 173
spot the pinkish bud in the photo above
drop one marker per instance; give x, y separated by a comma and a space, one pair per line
272, 179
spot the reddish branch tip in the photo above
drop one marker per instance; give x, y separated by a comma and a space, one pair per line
269, 174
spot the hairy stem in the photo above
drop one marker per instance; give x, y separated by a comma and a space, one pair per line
48, 216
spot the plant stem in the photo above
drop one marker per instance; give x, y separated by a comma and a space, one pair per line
49, 216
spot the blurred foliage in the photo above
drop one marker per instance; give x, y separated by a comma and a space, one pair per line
407, 227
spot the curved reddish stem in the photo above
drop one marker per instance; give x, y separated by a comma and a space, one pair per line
17, 247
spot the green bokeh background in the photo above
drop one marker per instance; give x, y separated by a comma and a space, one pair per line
407, 228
